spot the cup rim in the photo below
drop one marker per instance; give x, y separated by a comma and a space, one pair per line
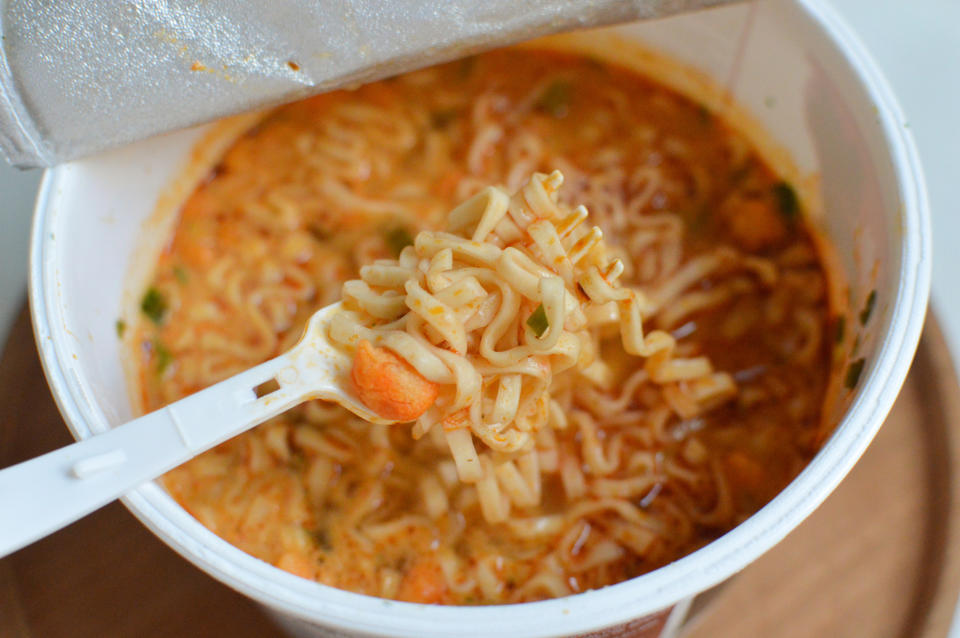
592, 610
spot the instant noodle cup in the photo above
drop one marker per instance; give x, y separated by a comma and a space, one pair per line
788, 75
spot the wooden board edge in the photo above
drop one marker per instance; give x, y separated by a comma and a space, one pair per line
942, 402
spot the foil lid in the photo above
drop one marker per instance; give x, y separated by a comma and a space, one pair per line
77, 77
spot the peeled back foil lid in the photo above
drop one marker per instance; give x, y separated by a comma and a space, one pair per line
78, 77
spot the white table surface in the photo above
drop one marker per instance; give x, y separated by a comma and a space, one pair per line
915, 42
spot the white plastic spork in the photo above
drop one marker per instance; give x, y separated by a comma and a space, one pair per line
39, 496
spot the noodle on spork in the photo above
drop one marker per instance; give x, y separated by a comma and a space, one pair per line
482, 319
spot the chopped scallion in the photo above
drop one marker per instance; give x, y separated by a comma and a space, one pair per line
555, 99
121, 326
443, 118
538, 321
163, 356
841, 329
398, 239
853, 373
868, 306
321, 538
787, 202
154, 305
706, 117
181, 274
318, 232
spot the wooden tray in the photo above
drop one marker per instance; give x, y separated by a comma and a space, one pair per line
880, 558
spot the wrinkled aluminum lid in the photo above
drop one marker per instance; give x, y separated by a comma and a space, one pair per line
78, 77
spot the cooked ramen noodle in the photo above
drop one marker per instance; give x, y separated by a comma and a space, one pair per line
580, 410
476, 326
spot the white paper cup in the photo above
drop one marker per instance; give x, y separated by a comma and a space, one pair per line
801, 73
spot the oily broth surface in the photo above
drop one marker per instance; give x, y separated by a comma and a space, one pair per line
322, 186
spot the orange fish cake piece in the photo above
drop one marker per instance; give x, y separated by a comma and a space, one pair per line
389, 386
